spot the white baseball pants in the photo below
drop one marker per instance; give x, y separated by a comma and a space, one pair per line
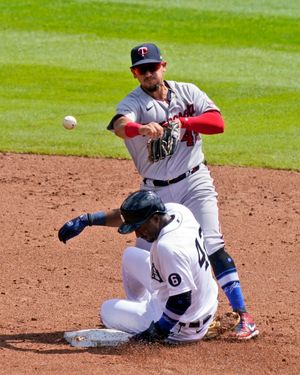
135, 314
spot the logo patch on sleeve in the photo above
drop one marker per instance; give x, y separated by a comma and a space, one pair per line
155, 274
174, 279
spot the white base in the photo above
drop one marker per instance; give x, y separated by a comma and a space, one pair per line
91, 338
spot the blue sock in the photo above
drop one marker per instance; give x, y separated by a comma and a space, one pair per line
235, 296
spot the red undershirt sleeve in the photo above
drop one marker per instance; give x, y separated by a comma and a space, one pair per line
206, 123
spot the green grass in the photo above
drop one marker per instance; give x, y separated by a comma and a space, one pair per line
72, 57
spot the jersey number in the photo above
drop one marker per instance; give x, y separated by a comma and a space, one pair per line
189, 137
174, 279
202, 256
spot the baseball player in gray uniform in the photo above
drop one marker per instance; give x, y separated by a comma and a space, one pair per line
174, 166
171, 293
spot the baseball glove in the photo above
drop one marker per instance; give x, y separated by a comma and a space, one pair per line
222, 325
165, 146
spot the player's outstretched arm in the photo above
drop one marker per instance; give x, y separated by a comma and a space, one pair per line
74, 227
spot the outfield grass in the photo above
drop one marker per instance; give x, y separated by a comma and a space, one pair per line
72, 57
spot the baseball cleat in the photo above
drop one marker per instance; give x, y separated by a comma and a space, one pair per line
246, 328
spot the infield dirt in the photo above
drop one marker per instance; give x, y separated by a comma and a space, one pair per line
47, 288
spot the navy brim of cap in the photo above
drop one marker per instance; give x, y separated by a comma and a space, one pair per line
146, 61
128, 228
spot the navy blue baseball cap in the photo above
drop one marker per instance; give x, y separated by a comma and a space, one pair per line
146, 53
138, 208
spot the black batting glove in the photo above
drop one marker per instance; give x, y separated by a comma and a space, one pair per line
73, 227
153, 334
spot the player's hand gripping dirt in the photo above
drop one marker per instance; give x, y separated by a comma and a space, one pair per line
152, 334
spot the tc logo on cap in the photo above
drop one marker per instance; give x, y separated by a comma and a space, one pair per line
143, 51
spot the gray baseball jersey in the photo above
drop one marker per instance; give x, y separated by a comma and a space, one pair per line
197, 191
186, 99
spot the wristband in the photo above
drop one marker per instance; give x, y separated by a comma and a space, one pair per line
165, 323
132, 129
97, 218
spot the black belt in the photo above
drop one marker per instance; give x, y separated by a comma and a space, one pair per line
195, 324
174, 180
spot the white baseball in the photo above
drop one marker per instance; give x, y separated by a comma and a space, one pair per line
69, 122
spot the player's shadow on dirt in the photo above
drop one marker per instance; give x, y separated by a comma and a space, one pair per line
49, 343
54, 343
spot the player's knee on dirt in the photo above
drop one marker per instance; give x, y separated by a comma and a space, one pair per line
125, 315
105, 314
113, 315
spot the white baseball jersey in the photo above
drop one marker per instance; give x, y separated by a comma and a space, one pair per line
176, 263
179, 263
186, 99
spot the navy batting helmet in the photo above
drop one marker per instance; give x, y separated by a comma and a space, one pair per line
138, 208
